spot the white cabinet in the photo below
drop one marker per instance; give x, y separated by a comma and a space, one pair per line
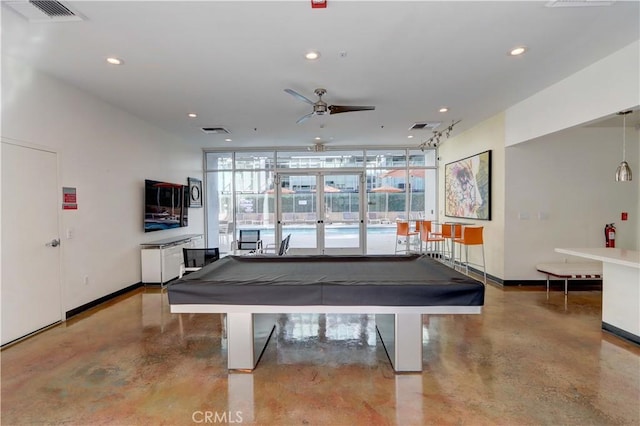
161, 259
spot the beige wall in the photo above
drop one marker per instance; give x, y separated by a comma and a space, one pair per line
488, 135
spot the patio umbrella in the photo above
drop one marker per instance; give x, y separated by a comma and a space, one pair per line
328, 188
387, 190
282, 191
401, 173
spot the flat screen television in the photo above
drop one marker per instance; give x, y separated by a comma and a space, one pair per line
164, 205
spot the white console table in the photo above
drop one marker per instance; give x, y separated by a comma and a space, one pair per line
620, 288
161, 259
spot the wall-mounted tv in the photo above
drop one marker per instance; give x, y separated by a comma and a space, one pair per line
164, 205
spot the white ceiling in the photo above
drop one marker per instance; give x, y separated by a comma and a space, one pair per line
230, 62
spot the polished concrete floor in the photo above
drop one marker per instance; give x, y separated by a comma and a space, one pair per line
528, 359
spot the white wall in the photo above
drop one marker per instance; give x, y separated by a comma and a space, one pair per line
605, 87
106, 154
488, 135
561, 192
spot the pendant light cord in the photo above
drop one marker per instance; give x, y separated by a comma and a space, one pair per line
624, 139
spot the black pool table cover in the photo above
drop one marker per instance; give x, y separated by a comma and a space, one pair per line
374, 280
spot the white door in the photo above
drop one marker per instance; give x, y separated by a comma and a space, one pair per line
30, 287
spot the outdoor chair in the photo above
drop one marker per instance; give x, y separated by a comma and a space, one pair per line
282, 250
248, 241
196, 258
284, 246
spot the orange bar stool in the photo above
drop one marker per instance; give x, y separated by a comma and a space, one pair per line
446, 232
472, 236
418, 229
404, 233
429, 239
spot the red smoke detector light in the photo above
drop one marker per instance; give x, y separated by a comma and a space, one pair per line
318, 4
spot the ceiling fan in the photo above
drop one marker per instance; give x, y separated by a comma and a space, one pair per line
320, 107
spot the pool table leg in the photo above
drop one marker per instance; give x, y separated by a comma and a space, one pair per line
401, 335
247, 337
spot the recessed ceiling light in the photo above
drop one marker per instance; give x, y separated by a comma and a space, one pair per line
115, 61
227, 140
410, 136
311, 55
317, 138
192, 115
517, 51
443, 109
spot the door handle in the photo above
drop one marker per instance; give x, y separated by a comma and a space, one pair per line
53, 243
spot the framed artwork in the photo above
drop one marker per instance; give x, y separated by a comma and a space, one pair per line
195, 192
467, 187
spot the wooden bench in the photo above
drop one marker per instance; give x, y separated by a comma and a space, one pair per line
571, 271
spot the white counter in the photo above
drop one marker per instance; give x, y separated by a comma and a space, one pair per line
630, 258
620, 288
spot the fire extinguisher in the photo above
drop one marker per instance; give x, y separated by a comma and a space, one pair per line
610, 235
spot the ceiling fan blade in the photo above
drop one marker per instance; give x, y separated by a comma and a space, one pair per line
337, 109
304, 117
299, 96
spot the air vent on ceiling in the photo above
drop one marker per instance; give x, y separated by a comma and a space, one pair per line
215, 130
427, 125
44, 11
579, 3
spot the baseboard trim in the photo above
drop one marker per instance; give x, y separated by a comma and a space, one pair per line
556, 284
490, 278
101, 300
33, 333
630, 337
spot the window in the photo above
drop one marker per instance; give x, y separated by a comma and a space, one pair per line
239, 186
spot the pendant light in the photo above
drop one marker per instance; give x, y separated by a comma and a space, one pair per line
623, 174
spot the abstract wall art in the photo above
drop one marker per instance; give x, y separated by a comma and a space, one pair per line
467, 187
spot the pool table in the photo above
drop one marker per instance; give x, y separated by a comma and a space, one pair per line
253, 290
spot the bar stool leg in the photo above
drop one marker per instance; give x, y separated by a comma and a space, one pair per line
466, 259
